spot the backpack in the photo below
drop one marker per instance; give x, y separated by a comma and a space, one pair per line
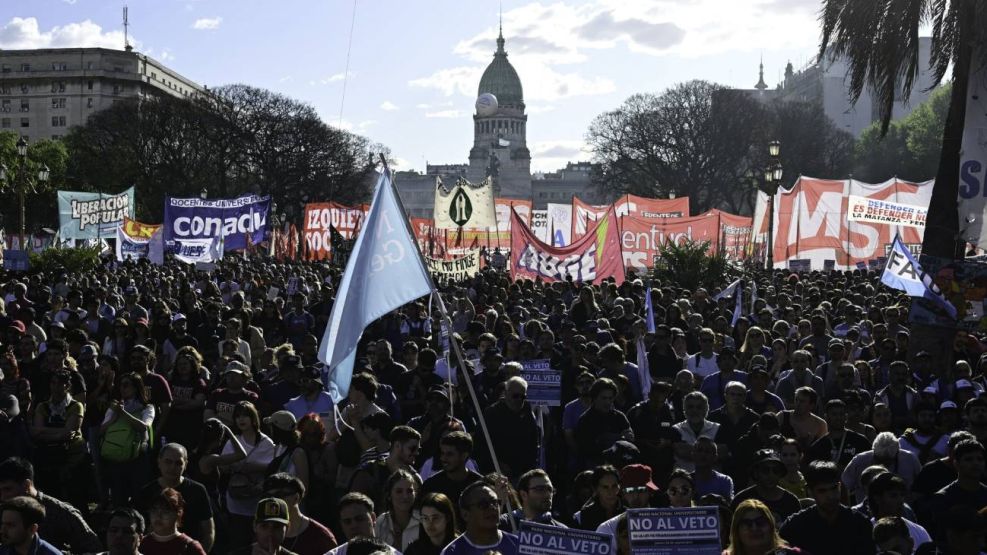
121, 442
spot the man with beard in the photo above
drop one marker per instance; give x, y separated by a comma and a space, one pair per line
925, 441
314, 397
536, 491
480, 507
19, 519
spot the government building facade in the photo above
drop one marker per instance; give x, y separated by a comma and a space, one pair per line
500, 150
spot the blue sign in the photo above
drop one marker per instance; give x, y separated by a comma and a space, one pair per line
539, 539
544, 383
16, 260
679, 531
238, 221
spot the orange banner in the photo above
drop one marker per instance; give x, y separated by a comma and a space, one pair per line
318, 219
647, 209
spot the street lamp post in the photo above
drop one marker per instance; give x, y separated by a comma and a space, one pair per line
772, 179
24, 182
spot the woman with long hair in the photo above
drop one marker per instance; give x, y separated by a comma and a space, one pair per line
753, 532
438, 525
13, 383
247, 473
605, 502
127, 435
166, 511
584, 308
322, 465
399, 526
59, 448
119, 342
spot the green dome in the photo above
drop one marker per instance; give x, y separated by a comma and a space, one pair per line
501, 80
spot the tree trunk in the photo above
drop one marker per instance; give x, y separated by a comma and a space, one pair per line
942, 224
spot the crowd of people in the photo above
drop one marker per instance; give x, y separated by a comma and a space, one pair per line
166, 410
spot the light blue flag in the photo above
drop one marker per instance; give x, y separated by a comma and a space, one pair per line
727, 291
903, 272
649, 309
384, 272
738, 308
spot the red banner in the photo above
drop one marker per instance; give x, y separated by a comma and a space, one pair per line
642, 240
592, 258
319, 217
647, 209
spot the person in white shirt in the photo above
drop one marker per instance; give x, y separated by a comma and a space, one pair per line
703, 363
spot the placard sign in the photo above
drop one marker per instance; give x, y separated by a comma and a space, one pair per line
800, 265
539, 539
544, 383
678, 531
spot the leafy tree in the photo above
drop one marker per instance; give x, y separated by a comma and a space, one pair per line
879, 40
238, 140
39, 204
691, 265
707, 142
910, 150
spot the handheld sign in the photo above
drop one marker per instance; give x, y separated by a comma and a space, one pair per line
538, 539
544, 383
681, 531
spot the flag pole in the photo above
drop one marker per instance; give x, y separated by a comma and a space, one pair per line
456, 348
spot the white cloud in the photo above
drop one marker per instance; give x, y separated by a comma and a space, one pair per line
401, 164
70, 2
388, 106
551, 155
207, 23
344, 124
334, 78
286, 79
446, 114
462, 80
166, 55
25, 33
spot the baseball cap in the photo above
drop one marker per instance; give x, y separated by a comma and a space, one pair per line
282, 420
492, 352
130, 290
836, 343
236, 367
177, 317
637, 475
17, 326
964, 384
438, 390
622, 453
768, 457
271, 509
947, 405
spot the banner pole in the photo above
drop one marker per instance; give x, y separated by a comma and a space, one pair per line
476, 403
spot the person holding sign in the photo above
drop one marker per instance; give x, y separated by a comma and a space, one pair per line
636, 491
480, 507
753, 532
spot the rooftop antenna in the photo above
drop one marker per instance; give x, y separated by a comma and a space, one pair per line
126, 29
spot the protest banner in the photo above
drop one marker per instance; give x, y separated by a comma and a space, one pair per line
133, 239
321, 217
93, 215
647, 209
592, 258
559, 224
799, 265
464, 205
194, 251
539, 539
863, 209
233, 220
641, 240
674, 531
16, 260
539, 225
456, 269
544, 383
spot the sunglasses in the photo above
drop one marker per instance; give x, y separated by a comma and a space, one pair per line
638, 489
751, 523
684, 490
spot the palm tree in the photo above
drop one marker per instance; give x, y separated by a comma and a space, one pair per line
880, 41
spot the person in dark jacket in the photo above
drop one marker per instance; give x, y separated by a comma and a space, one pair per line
513, 431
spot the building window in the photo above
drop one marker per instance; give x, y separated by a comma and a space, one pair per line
25, 122
25, 89
154, 75
25, 105
56, 137
89, 102
58, 86
5, 68
118, 69
59, 66
58, 103
89, 85
58, 121
5, 123
116, 89
25, 67
4, 89
5, 106
89, 65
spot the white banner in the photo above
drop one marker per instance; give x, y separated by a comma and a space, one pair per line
199, 250
457, 269
539, 225
862, 209
465, 205
559, 224
973, 156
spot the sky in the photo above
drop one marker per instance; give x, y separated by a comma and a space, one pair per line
414, 66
